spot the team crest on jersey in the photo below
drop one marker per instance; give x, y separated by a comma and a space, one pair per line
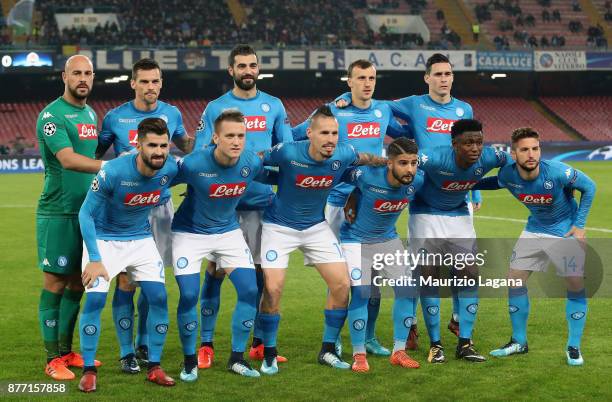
95, 185
90, 330
164, 118
182, 262
356, 274
335, 165
245, 171
460, 112
49, 129
201, 125
164, 180
377, 113
512, 309
125, 323
62, 261
548, 184
191, 326
265, 107
359, 325
478, 171
271, 255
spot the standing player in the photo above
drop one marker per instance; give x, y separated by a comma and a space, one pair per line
554, 232
267, 125
67, 138
206, 226
440, 222
363, 124
382, 195
308, 170
117, 236
430, 118
119, 129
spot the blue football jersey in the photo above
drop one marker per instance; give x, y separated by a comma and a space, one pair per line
364, 129
379, 205
267, 125
303, 183
550, 197
213, 191
118, 203
119, 127
446, 184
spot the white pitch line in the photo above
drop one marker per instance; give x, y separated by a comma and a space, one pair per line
17, 206
497, 218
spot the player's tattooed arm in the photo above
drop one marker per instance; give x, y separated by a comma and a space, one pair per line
350, 208
185, 143
101, 149
365, 159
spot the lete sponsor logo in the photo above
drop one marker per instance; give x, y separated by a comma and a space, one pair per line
255, 123
87, 131
390, 205
133, 136
438, 125
142, 199
363, 130
316, 182
228, 190
458, 185
536, 199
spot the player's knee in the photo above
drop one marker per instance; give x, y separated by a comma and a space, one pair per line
55, 283
94, 301
340, 289
157, 296
188, 297
248, 293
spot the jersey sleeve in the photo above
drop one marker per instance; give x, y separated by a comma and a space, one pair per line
282, 128
203, 134
95, 200
347, 97
400, 108
352, 175
53, 132
352, 156
575, 179
106, 136
274, 156
487, 183
426, 160
496, 158
395, 129
180, 128
469, 112
181, 172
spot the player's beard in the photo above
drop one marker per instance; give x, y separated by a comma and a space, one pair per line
401, 179
244, 86
148, 161
74, 92
527, 168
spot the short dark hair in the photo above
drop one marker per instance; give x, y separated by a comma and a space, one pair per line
240, 50
435, 59
234, 115
361, 63
461, 126
153, 125
402, 145
524, 132
322, 111
145, 64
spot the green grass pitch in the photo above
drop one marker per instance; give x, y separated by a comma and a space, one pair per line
542, 374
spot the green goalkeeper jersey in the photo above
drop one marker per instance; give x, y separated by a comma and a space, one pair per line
62, 125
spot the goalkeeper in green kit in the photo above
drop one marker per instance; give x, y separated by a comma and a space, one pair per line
67, 137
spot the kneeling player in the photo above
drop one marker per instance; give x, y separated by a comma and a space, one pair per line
117, 235
554, 233
382, 195
206, 226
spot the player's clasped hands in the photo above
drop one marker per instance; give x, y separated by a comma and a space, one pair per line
92, 271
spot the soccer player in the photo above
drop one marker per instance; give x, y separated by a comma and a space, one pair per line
119, 129
363, 124
117, 236
554, 233
206, 226
382, 195
308, 170
267, 125
440, 222
430, 118
67, 138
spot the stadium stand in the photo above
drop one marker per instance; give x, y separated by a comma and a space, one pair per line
589, 115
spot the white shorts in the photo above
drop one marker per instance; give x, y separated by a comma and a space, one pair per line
335, 218
363, 263
229, 250
535, 251
160, 220
442, 233
318, 243
139, 258
250, 224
